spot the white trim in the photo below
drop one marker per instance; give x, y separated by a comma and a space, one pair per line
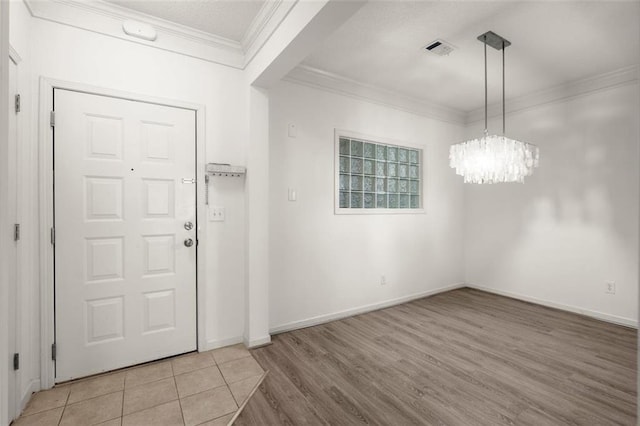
325, 318
14, 55
45, 198
259, 21
107, 18
255, 343
16, 324
334, 83
570, 90
324, 80
45, 138
34, 386
202, 223
338, 133
263, 26
221, 343
615, 319
6, 412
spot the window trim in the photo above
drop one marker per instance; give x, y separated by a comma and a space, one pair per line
338, 133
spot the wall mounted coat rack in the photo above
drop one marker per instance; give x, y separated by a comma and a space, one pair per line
220, 169
224, 170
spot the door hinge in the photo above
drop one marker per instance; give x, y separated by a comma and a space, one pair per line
17, 103
16, 361
54, 350
52, 119
53, 236
16, 232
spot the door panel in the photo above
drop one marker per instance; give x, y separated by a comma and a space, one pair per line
125, 282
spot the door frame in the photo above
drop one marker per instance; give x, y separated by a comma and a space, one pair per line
14, 323
45, 166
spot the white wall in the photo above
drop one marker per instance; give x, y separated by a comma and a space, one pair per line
574, 224
557, 238
256, 331
300, 32
66, 53
321, 263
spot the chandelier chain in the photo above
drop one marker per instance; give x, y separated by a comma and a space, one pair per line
486, 125
503, 94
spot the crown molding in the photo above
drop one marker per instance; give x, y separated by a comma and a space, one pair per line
335, 83
259, 21
560, 93
324, 80
107, 18
263, 25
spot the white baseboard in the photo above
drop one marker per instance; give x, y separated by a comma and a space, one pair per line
255, 343
221, 343
321, 319
628, 322
34, 386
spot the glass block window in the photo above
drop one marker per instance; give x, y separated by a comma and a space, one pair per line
375, 175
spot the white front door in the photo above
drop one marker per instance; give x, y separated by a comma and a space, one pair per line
124, 214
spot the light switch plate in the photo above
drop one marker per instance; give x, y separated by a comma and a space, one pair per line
216, 214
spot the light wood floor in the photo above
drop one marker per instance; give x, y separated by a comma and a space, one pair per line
459, 358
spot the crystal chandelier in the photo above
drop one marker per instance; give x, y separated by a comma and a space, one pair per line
493, 158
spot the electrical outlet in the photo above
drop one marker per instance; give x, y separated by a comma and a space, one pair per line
216, 214
610, 287
383, 280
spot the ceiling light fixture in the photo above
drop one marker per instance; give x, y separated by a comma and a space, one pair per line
493, 158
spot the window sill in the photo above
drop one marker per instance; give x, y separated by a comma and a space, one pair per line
363, 211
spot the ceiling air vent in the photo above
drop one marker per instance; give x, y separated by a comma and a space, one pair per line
440, 48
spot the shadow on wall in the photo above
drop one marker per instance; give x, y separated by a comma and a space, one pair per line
574, 222
588, 172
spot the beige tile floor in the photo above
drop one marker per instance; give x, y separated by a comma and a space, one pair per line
194, 389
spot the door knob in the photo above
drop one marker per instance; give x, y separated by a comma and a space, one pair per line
188, 242
188, 226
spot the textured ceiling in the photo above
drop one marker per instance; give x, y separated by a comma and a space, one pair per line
552, 43
224, 18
